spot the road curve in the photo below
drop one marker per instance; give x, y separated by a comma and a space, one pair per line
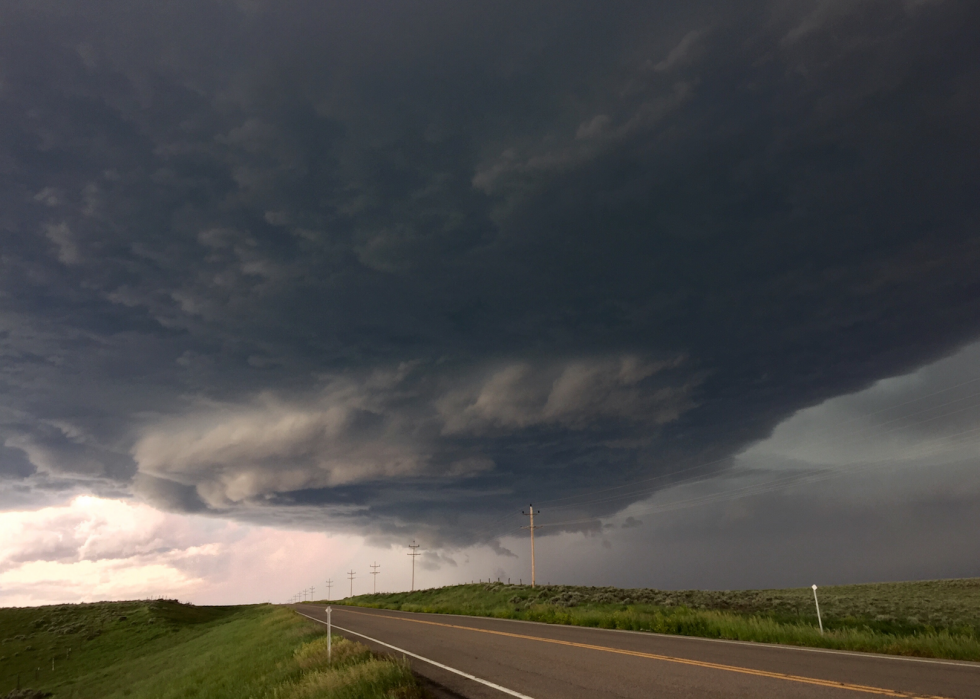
478, 658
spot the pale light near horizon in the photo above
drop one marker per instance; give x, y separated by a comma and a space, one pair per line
91, 549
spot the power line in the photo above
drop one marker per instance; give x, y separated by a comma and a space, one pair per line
530, 513
413, 554
929, 395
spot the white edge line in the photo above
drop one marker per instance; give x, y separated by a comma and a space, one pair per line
426, 660
753, 644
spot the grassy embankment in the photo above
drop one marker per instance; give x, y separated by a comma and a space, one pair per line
934, 619
163, 649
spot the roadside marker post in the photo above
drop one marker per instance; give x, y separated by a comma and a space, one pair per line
329, 637
817, 602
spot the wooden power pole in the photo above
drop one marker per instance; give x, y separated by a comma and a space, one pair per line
374, 572
350, 576
413, 554
329, 585
530, 513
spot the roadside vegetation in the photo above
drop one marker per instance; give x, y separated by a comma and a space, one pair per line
163, 649
933, 619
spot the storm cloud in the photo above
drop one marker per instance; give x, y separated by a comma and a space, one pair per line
403, 267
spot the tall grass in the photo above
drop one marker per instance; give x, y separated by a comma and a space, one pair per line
164, 650
935, 619
354, 673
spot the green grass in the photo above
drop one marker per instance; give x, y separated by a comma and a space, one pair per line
935, 619
166, 650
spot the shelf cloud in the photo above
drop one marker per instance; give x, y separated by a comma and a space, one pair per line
397, 268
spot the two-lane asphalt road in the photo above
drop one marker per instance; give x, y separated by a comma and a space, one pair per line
475, 657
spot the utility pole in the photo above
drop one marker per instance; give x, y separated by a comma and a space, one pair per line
530, 513
374, 572
312, 588
329, 585
350, 576
413, 554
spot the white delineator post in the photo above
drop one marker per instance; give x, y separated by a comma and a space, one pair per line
817, 602
329, 637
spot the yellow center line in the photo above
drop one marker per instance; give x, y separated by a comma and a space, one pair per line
670, 659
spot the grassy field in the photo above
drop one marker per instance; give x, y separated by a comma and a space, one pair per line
163, 649
937, 619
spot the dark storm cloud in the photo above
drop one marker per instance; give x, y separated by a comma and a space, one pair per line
15, 464
403, 264
852, 529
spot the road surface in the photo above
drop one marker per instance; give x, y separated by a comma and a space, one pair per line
479, 658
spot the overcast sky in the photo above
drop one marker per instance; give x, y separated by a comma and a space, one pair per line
286, 285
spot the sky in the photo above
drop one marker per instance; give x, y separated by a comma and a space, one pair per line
285, 286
